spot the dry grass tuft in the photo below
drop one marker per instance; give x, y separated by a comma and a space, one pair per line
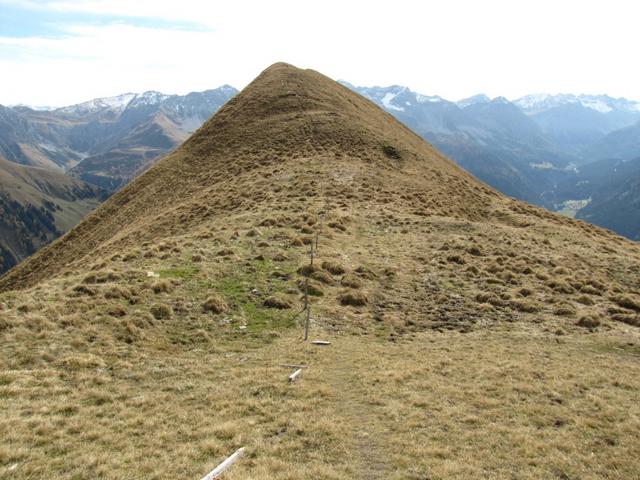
307, 270
626, 301
215, 304
279, 302
160, 311
322, 277
310, 288
161, 286
588, 322
351, 281
353, 299
333, 268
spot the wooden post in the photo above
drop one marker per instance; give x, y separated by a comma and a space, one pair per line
220, 469
311, 253
306, 323
308, 309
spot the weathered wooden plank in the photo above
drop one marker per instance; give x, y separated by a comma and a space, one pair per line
220, 469
294, 376
290, 365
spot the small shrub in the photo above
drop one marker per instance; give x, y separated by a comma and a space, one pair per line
307, 270
364, 272
588, 322
590, 290
542, 276
215, 304
524, 306
129, 256
116, 292
472, 269
353, 299
351, 281
161, 286
296, 242
278, 301
629, 319
160, 311
268, 222
84, 290
116, 311
564, 311
584, 300
391, 152
627, 302
333, 267
323, 277
312, 288
560, 286
25, 308
456, 259
490, 298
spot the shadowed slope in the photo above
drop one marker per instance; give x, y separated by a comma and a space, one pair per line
36, 206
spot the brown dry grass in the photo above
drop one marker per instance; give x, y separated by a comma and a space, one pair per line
497, 403
470, 359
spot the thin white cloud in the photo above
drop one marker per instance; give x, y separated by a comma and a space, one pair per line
453, 49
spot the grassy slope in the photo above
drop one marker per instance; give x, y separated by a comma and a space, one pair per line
496, 340
93, 384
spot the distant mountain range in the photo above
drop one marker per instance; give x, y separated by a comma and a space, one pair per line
106, 141
536, 148
61, 163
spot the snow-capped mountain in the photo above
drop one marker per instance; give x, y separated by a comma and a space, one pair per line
523, 148
117, 103
395, 97
537, 103
479, 98
111, 137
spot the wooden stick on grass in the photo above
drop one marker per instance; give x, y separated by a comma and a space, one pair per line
220, 469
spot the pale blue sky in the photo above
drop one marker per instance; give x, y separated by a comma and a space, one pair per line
65, 51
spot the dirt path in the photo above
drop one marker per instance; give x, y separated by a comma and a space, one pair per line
357, 411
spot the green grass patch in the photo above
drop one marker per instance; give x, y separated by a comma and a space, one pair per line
182, 272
